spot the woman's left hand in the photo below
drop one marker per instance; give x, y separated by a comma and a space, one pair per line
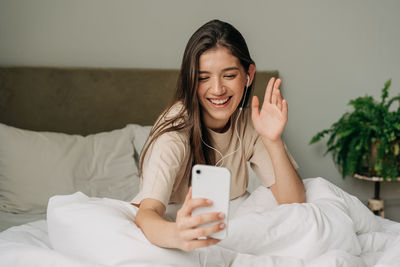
270, 121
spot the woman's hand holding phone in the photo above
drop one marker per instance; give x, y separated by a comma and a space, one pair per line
187, 226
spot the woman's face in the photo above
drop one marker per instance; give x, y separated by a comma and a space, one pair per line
220, 88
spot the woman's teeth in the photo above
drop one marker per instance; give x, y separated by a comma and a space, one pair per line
219, 101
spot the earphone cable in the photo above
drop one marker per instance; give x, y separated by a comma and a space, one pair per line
216, 150
240, 142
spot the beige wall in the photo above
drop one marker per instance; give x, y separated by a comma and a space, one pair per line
326, 51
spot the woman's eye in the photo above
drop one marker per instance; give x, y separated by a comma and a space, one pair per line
230, 76
203, 78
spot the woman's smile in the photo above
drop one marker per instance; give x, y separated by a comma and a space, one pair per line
220, 102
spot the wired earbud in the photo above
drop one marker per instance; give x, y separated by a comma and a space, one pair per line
245, 92
221, 160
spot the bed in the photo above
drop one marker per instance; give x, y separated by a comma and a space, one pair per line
70, 139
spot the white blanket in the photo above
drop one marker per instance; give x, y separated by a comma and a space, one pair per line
332, 229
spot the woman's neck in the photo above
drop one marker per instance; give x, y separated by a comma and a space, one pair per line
220, 129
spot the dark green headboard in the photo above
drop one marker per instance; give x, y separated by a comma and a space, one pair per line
88, 100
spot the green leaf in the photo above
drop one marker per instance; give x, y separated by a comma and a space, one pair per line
385, 90
390, 102
318, 136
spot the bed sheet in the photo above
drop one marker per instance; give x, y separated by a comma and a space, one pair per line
332, 229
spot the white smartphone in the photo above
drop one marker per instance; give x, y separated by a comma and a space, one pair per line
213, 183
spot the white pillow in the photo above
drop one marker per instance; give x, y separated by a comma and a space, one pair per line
37, 165
141, 133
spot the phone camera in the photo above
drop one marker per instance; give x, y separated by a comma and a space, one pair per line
198, 171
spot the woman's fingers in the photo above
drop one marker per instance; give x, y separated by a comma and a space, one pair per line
255, 104
274, 98
191, 222
268, 91
272, 92
278, 93
278, 99
184, 211
188, 195
277, 83
198, 202
195, 233
198, 220
284, 108
189, 205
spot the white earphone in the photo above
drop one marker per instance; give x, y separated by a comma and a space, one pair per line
245, 92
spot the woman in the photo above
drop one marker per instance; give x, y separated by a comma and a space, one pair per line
205, 125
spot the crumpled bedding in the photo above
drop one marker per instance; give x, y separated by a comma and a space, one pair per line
332, 229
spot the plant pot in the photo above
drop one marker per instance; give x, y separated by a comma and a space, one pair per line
370, 170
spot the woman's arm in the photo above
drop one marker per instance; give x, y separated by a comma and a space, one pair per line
269, 123
182, 234
149, 220
288, 187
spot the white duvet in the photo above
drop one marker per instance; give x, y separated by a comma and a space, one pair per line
332, 229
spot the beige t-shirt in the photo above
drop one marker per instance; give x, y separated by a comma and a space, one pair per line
163, 174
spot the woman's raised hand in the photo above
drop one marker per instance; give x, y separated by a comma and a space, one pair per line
186, 224
270, 121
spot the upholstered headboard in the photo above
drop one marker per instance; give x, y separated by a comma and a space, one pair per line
88, 100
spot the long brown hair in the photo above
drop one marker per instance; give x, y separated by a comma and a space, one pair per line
213, 34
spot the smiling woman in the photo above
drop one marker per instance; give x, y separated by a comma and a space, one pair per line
209, 123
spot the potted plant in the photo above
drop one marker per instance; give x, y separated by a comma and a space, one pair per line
366, 141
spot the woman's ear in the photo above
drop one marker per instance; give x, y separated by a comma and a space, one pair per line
251, 72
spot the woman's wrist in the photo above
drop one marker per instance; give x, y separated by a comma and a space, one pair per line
272, 144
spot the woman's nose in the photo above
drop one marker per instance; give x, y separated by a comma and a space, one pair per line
217, 87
